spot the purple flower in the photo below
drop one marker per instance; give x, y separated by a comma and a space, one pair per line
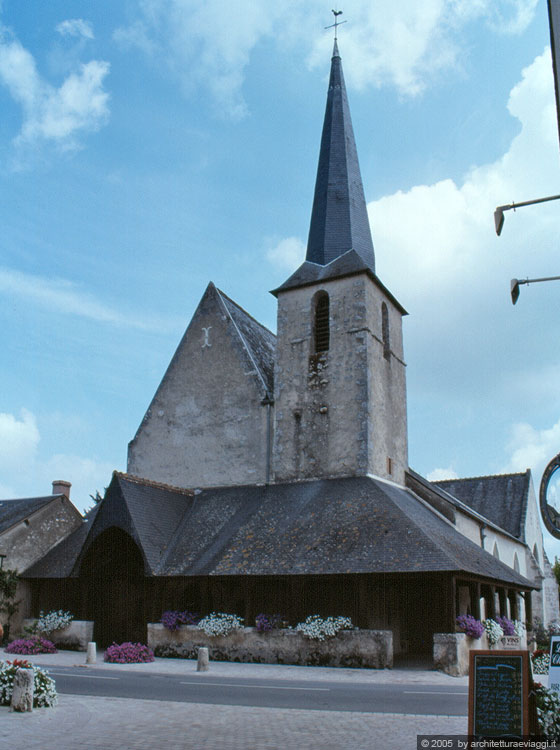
128, 653
34, 645
172, 620
507, 625
266, 623
470, 626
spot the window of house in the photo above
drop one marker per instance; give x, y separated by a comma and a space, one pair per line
322, 326
385, 330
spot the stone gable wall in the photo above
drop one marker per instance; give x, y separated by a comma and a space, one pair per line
206, 425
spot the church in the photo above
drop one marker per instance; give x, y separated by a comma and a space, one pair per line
270, 472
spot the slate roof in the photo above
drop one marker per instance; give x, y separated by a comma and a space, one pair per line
501, 498
14, 511
339, 219
259, 342
60, 560
352, 525
348, 264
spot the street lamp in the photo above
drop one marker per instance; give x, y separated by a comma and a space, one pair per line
499, 212
515, 283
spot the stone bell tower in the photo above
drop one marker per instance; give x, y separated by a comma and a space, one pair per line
340, 391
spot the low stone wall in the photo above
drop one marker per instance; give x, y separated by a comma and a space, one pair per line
75, 637
451, 650
349, 648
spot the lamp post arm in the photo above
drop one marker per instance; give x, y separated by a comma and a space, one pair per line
515, 284
499, 212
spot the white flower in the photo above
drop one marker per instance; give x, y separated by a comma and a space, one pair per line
219, 623
318, 629
55, 620
494, 631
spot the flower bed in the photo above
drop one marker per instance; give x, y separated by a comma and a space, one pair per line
349, 648
44, 688
74, 637
128, 653
35, 644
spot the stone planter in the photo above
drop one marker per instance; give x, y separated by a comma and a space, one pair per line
349, 648
75, 637
451, 650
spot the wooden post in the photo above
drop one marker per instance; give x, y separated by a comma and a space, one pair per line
475, 599
22, 695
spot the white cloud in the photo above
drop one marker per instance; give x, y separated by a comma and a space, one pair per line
443, 233
19, 439
472, 352
532, 448
208, 43
26, 473
287, 253
65, 297
76, 27
438, 475
51, 114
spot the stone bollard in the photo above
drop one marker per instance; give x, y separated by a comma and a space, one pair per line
91, 655
22, 695
203, 660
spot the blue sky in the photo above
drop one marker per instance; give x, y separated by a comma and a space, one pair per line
149, 146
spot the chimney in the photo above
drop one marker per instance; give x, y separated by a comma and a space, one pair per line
61, 487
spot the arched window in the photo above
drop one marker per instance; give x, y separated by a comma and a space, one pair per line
536, 553
516, 563
496, 551
322, 328
385, 331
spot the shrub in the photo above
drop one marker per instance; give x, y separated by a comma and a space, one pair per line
266, 623
128, 653
219, 623
172, 620
44, 688
493, 631
318, 629
542, 634
541, 661
33, 645
55, 620
548, 712
471, 626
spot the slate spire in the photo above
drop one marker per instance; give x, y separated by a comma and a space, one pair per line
339, 220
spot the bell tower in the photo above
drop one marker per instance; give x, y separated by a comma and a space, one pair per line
340, 390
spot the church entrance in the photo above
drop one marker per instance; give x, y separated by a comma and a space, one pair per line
112, 578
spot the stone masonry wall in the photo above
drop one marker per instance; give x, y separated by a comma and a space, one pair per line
340, 412
349, 648
206, 425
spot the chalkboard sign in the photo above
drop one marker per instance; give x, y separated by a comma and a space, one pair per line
499, 693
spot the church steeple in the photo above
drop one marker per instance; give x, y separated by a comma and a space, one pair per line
339, 220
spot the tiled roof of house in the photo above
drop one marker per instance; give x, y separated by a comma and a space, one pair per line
501, 498
259, 342
353, 525
14, 511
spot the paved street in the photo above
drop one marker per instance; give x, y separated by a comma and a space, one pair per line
100, 723
325, 695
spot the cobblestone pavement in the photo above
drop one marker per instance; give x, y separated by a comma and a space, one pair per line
80, 723
87, 723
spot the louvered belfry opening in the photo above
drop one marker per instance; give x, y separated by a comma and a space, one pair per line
322, 333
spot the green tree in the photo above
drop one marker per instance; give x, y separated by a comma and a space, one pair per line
8, 604
556, 570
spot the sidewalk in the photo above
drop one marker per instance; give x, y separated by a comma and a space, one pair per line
86, 723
